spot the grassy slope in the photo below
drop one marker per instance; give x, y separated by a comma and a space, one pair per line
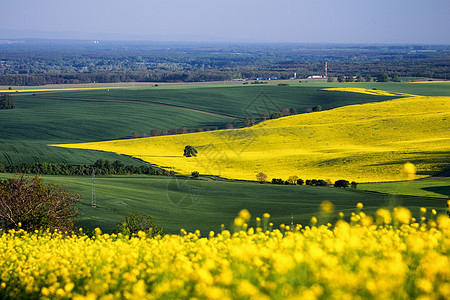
439, 188
236, 101
365, 143
204, 205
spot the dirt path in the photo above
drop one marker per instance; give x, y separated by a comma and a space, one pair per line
145, 102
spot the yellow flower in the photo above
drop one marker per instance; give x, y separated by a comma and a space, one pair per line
402, 215
326, 206
410, 170
244, 214
238, 221
359, 205
383, 216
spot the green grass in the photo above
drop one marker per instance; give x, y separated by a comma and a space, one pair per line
235, 101
439, 188
199, 204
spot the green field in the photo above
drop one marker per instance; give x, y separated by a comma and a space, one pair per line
439, 188
72, 117
179, 202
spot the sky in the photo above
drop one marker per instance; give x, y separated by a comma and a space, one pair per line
297, 21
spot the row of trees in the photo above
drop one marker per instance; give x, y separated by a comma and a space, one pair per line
101, 167
7, 102
247, 122
294, 180
382, 77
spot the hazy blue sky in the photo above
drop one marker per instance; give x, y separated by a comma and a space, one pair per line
353, 21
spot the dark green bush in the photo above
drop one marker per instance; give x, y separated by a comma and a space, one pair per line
138, 222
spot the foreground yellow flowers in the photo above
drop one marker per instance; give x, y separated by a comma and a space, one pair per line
364, 259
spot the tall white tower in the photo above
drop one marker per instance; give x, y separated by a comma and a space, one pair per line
326, 69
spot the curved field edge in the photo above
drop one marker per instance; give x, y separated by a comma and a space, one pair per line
364, 143
366, 91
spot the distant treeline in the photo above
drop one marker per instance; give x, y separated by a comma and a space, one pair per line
294, 180
101, 167
41, 62
112, 77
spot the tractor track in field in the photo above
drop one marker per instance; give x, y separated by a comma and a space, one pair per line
144, 102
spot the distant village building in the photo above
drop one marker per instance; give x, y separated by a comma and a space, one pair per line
316, 77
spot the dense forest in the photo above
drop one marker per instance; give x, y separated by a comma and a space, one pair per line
39, 62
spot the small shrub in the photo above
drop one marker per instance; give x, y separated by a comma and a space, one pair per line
138, 222
195, 174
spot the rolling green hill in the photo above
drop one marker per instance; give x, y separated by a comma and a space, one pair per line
180, 202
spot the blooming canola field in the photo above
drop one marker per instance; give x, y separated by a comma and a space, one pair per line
365, 143
390, 256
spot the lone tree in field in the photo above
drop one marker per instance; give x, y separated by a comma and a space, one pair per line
261, 177
29, 204
341, 183
190, 151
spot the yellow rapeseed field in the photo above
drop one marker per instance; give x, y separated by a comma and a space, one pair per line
366, 91
388, 256
364, 143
